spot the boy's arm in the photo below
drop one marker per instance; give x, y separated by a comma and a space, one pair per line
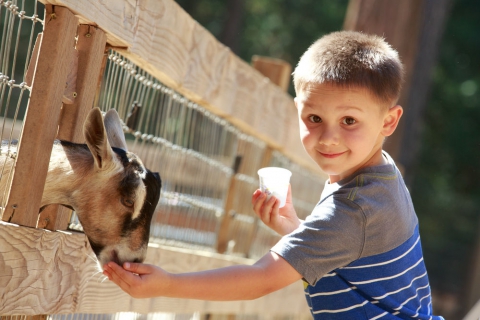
241, 282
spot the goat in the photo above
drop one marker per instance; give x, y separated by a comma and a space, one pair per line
109, 188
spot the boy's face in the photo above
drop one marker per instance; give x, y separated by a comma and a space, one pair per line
343, 129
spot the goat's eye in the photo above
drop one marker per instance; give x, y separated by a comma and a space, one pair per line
127, 202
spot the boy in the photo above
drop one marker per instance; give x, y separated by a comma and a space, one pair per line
359, 252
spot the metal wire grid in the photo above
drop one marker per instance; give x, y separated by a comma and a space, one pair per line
191, 148
194, 151
19, 24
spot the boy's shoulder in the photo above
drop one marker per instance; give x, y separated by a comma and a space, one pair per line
379, 196
377, 183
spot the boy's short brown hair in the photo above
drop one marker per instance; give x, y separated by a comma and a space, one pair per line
352, 59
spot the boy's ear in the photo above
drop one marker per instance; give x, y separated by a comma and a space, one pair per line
391, 120
295, 100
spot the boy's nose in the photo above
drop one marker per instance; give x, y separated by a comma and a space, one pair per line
328, 137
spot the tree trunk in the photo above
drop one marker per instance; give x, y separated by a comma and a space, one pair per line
233, 25
399, 23
414, 28
435, 14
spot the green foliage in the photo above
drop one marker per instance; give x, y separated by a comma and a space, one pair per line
446, 189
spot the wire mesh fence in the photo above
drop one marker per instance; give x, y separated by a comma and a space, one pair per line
20, 23
194, 150
195, 153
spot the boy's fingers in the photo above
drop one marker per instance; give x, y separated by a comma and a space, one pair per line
266, 211
122, 278
276, 205
255, 195
258, 202
138, 268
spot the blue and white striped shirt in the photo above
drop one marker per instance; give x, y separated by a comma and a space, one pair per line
390, 285
360, 251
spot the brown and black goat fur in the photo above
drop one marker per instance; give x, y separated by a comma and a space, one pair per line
109, 188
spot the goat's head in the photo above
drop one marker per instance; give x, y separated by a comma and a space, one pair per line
117, 203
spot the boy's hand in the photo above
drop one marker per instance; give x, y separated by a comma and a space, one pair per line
282, 220
137, 279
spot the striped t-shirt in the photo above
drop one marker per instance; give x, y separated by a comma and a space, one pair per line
359, 251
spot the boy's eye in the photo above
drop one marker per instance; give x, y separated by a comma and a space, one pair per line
348, 121
315, 119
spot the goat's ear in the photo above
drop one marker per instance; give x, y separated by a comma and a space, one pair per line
113, 126
96, 138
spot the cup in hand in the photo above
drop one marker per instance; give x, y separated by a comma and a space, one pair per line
274, 181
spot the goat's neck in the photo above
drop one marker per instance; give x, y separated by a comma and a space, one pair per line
69, 166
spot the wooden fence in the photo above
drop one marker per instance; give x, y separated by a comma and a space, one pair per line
208, 121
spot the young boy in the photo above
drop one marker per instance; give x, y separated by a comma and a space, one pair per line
359, 251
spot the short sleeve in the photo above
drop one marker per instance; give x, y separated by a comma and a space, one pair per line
331, 237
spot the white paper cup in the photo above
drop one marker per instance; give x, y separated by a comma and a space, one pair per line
274, 181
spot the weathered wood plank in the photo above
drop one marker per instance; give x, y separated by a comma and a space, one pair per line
38, 270
91, 50
41, 119
165, 41
44, 272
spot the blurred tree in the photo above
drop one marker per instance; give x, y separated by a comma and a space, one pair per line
233, 24
446, 188
400, 23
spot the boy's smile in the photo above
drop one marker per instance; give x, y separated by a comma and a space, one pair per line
343, 129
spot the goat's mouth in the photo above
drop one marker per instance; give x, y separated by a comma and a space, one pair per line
114, 257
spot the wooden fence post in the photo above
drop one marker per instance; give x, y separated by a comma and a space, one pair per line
277, 70
41, 119
224, 230
90, 46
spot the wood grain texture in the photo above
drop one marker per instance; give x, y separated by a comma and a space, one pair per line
90, 49
44, 272
38, 270
165, 41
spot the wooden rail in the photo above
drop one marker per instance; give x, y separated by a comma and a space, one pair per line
44, 272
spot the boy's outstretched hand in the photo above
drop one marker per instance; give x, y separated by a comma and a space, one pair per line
282, 220
137, 279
